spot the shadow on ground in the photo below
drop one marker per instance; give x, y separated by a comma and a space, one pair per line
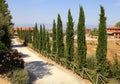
18, 45
37, 69
25, 55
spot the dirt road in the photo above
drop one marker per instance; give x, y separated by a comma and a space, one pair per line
42, 72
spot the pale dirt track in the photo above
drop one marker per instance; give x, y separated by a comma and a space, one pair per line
42, 72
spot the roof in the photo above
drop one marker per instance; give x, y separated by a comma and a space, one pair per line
15, 29
113, 27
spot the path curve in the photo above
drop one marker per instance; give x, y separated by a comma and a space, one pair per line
42, 72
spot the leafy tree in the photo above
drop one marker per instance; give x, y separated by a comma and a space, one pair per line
117, 24
81, 40
70, 38
101, 52
54, 38
94, 32
60, 45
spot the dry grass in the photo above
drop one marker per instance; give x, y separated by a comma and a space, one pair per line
113, 49
4, 81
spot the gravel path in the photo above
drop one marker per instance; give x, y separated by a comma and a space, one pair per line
42, 72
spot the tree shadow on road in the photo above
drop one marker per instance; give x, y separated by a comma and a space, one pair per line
37, 69
25, 55
18, 45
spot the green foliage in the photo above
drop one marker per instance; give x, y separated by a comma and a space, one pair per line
81, 40
94, 32
117, 24
35, 35
116, 68
90, 61
7, 36
18, 76
29, 35
48, 43
25, 43
60, 45
101, 52
43, 39
54, 47
9, 60
104, 68
40, 36
2, 46
70, 38
5, 23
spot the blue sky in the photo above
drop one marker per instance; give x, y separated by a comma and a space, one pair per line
27, 12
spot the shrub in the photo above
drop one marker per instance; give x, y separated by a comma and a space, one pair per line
91, 60
18, 76
116, 68
10, 60
2, 46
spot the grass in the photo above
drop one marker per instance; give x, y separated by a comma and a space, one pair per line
91, 60
18, 76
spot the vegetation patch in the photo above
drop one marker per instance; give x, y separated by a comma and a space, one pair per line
18, 76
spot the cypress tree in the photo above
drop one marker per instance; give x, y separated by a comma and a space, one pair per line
81, 39
101, 52
48, 43
30, 35
70, 38
40, 40
60, 45
35, 31
54, 47
43, 39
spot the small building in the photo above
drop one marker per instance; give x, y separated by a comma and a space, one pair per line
88, 32
113, 32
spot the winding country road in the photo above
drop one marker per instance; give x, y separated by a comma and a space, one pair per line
42, 72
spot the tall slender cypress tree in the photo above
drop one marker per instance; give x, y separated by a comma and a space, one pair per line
48, 42
70, 38
43, 39
40, 40
34, 42
101, 51
81, 40
60, 45
54, 38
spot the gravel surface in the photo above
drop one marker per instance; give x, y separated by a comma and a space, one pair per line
42, 72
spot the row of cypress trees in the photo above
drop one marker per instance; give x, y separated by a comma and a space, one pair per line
61, 47
66, 49
41, 40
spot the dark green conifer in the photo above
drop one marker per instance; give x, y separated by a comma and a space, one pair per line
43, 39
60, 45
70, 38
101, 52
81, 39
54, 47
40, 40
48, 43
